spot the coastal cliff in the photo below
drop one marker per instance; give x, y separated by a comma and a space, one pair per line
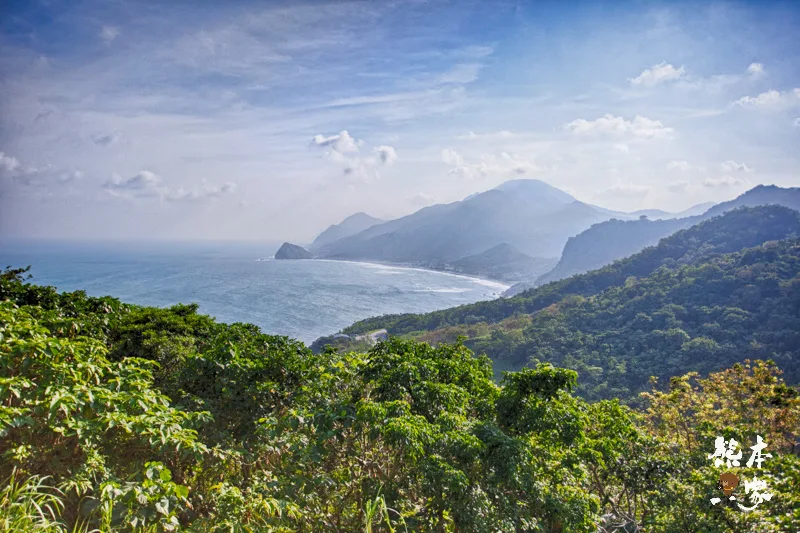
292, 251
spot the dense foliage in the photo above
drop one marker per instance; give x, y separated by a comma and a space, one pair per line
123, 418
608, 241
733, 231
700, 300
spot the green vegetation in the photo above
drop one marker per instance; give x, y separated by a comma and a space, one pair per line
608, 241
119, 418
700, 300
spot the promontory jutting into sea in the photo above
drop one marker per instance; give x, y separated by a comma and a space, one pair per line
379, 267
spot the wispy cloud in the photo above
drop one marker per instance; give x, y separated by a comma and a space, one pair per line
275, 97
472, 136
771, 99
733, 166
344, 150
147, 184
504, 164
724, 181
756, 70
661, 73
682, 166
341, 143
640, 127
109, 33
16, 175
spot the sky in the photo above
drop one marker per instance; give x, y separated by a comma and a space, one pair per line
265, 121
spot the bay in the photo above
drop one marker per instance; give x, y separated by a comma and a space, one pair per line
239, 282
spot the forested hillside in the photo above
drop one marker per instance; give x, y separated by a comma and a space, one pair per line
118, 418
735, 230
608, 241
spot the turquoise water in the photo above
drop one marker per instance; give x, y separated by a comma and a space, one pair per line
238, 283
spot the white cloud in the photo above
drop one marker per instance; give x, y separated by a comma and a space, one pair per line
147, 184
771, 99
14, 173
143, 183
720, 82
756, 70
200, 193
724, 181
622, 148
678, 186
343, 149
386, 154
472, 136
732, 166
796, 123
451, 157
8, 164
109, 33
682, 166
656, 74
502, 164
641, 127
342, 143
460, 74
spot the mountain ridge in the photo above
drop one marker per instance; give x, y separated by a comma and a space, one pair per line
607, 241
734, 230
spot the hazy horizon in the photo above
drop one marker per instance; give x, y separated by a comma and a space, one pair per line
252, 122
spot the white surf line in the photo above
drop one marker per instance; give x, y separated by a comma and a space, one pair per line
481, 281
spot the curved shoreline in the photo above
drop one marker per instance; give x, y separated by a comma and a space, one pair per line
495, 284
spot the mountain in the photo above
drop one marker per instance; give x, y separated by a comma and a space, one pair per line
760, 195
530, 215
707, 296
698, 209
658, 214
592, 249
503, 262
608, 241
700, 316
425, 428
292, 251
349, 226
740, 228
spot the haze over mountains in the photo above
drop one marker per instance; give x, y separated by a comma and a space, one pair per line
349, 226
608, 241
524, 232
530, 215
513, 232
705, 297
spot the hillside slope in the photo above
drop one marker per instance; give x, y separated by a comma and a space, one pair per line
735, 230
503, 262
155, 416
351, 225
608, 241
529, 215
702, 317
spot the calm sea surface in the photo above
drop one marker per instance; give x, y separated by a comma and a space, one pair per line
238, 283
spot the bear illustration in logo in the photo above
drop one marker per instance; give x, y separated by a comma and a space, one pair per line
727, 482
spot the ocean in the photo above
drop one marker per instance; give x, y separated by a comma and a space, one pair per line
241, 282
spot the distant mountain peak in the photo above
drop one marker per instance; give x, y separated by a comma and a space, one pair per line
359, 216
351, 225
535, 187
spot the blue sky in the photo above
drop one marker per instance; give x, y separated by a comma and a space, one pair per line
272, 120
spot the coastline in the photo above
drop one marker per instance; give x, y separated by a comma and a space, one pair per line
501, 286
